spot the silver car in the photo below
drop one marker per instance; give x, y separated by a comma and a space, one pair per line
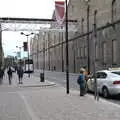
108, 82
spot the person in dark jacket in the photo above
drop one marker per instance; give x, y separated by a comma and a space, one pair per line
20, 73
1, 75
9, 72
81, 82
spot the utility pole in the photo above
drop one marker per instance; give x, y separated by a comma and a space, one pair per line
88, 41
62, 54
96, 95
67, 55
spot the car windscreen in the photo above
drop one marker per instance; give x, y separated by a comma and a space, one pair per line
115, 72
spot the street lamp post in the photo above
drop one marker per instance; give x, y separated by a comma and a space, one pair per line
27, 35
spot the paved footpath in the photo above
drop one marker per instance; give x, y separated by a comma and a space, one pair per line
51, 103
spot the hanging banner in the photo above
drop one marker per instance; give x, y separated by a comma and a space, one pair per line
60, 12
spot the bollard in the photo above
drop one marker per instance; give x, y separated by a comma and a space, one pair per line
42, 77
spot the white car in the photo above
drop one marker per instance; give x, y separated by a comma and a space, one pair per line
108, 82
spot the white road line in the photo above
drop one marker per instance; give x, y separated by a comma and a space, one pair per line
29, 109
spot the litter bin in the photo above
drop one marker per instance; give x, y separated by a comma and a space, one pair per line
42, 77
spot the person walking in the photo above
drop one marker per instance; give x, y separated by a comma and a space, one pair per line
9, 72
1, 75
81, 82
20, 73
86, 79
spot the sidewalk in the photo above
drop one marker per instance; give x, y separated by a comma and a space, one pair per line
54, 104
33, 81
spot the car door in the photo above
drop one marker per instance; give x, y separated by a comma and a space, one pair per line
101, 79
90, 83
100, 76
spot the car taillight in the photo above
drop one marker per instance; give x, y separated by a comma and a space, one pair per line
116, 82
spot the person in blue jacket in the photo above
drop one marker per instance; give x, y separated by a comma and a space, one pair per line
81, 82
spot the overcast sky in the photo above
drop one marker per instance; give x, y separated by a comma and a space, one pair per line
22, 8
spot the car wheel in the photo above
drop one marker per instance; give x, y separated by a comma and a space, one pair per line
105, 92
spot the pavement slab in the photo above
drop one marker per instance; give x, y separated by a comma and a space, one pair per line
51, 103
12, 107
55, 104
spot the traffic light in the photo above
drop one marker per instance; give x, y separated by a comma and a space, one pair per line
25, 46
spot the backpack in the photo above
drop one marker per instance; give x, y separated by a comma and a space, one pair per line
80, 79
9, 72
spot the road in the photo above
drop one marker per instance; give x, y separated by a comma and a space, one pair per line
60, 78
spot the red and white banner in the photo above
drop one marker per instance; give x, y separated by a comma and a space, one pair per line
60, 12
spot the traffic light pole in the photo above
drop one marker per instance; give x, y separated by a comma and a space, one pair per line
28, 51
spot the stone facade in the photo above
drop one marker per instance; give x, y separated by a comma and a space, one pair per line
1, 50
106, 47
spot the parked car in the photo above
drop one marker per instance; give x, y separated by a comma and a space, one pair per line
108, 82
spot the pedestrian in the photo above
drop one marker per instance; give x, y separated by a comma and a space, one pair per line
81, 82
1, 75
20, 73
9, 72
86, 78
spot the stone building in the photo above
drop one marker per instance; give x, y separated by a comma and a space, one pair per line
82, 47
1, 50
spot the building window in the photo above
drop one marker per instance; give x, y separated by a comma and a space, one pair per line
78, 52
96, 51
82, 25
82, 51
113, 11
85, 51
114, 51
104, 52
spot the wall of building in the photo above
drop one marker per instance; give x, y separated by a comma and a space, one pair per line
1, 50
107, 42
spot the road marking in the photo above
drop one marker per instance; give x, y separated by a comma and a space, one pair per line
29, 109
